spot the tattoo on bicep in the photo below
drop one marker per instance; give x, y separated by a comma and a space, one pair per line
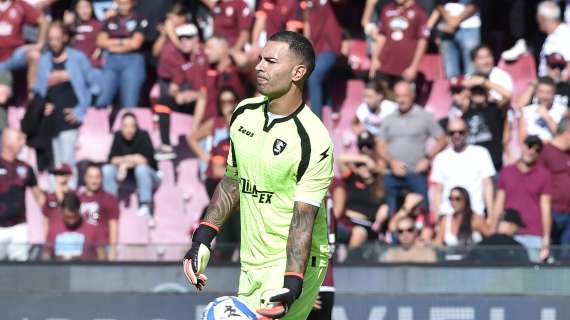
300, 235
224, 202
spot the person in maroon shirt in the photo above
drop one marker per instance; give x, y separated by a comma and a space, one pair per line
84, 27
71, 237
232, 19
526, 187
401, 41
555, 157
15, 177
121, 38
322, 28
100, 208
51, 208
276, 15
14, 53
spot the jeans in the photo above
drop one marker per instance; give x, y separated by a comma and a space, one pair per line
533, 244
456, 48
17, 61
393, 186
146, 179
323, 64
125, 72
561, 230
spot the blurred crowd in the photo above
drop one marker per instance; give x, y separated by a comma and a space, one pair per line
492, 171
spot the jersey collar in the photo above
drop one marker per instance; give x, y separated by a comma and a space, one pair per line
267, 126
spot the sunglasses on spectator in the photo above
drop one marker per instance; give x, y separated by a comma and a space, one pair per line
187, 37
408, 230
456, 199
454, 132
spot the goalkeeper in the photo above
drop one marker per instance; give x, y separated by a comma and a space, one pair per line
279, 170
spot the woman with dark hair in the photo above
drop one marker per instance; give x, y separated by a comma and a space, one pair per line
463, 227
84, 28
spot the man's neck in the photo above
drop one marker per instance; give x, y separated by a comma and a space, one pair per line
287, 103
523, 166
407, 111
224, 63
407, 4
460, 149
90, 192
8, 156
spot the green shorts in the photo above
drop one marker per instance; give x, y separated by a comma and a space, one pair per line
253, 283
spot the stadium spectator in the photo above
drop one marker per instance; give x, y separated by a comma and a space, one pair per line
448, 171
273, 16
187, 90
84, 28
15, 177
460, 100
488, 125
51, 208
542, 117
365, 207
501, 246
14, 53
548, 17
374, 109
121, 38
486, 74
224, 71
462, 227
71, 238
132, 153
526, 187
401, 41
555, 157
213, 156
232, 19
99, 208
66, 81
408, 251
409, 205
460, 32
402, 143
556, 67
167, 47
322, 28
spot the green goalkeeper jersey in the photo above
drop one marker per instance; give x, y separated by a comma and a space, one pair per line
276, 163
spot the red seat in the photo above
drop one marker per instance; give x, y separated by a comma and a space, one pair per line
439, 101
358, 55
431, 65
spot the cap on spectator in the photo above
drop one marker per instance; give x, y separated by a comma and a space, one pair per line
62, 169
533, 141
513, 216
186, 30
365, 140
456, 83
556, 60
6, 78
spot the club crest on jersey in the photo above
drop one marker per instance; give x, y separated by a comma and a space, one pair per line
278, 146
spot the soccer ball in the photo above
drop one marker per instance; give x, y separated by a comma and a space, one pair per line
228, 308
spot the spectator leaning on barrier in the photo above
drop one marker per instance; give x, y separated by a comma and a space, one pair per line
401, 41
526, 187
408, 251
84, 28
402, 144
15, 177
555, 69
542, 117
132, 153
121, 38
374, 109
548, 17
71, 238
555, 157
14, 53
463, 165
100, 208
67, 83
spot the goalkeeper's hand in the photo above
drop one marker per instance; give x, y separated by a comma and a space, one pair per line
276, 303
196, 259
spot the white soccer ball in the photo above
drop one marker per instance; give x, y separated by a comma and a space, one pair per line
228, 308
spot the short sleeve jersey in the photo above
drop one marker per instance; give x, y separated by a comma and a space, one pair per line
99, 208
230, 18
12, 20
280, 15
277, 163
122, 27
15, 177
85, 39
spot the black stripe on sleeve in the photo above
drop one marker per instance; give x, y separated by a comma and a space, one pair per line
233, 151
305, 149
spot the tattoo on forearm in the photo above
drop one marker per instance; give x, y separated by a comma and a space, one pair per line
224, 202
300, 235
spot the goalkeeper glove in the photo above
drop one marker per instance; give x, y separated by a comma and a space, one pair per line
196, 259
277, 302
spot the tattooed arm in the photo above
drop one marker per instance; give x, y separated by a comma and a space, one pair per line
223, 203
300, 235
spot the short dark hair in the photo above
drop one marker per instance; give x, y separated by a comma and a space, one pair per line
71, 202
547, 81
378, 86
475, 50
92, 164
223, 90
299, 45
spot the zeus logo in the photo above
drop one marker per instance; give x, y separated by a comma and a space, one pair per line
246, 132
248, 188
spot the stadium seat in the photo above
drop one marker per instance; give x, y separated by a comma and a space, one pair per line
358, 55
439, 100
431, 65
15, 115
94, 132
144, 118
523, 71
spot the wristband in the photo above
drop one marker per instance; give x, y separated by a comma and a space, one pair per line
293, 282
205, 233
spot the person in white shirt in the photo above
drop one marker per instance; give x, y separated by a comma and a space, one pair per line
541, 118
375, 108
558, 34
497, 81
462, 165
